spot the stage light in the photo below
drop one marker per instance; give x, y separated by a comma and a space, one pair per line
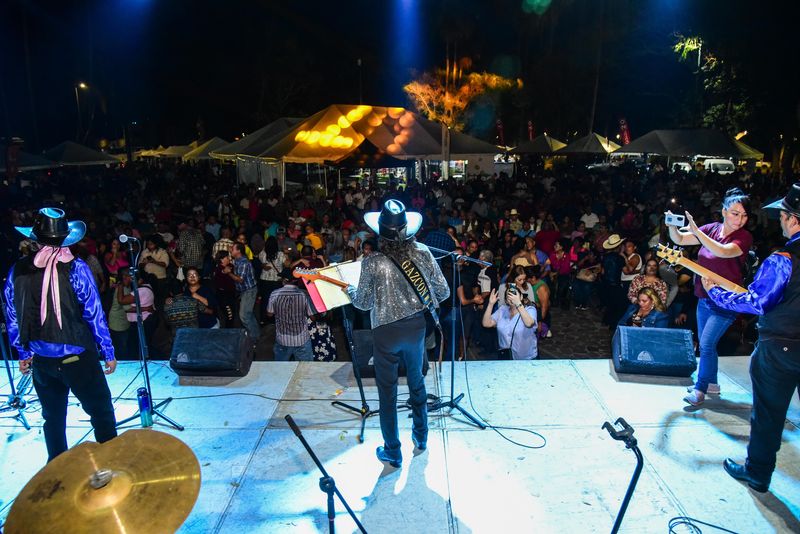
407, 120
535, 6
354, 115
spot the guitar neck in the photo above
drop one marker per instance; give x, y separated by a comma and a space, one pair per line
711, 275
315, 277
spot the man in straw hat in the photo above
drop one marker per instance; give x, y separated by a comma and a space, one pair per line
56, 321
392, 286
774, 295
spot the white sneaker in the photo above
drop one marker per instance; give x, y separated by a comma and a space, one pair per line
713, 389
695, 398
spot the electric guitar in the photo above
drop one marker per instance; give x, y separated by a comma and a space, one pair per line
674, 256
312, 275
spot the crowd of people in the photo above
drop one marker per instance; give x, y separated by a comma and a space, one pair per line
217, 255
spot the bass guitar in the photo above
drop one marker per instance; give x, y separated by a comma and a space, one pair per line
674, 256
313, 275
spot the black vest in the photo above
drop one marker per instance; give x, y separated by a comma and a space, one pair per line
28, 281
782, 321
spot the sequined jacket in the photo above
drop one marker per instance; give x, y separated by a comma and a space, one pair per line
386, 292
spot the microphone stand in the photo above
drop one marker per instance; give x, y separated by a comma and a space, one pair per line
626, 435
326, 482
365, 411
453, 402
144, 354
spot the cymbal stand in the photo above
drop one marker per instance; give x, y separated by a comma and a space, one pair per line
16, 400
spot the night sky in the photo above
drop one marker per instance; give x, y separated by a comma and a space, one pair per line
177, 68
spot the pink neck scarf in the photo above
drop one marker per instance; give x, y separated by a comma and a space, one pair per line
47, 258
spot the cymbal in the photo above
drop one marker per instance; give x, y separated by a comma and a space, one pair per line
142, 481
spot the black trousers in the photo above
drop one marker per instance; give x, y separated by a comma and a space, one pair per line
775, 374
401, 341
53, 380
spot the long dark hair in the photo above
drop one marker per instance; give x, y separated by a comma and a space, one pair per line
271, 248
396, 249
734, 195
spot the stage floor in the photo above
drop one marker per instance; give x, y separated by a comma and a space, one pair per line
257, 477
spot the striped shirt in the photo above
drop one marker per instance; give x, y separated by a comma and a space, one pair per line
293, 308
244, 270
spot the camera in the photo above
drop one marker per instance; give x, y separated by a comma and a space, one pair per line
674, 220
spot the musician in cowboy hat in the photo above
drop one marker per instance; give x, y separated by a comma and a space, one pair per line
774, 295
56, 322
397, 285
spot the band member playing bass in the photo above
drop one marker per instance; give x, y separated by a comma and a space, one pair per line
774, 296
724, 248
397, 285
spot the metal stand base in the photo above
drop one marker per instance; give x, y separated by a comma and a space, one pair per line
454, 404
365, 412
16, 402
154, 412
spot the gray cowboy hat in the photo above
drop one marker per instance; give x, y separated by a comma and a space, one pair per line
393, 222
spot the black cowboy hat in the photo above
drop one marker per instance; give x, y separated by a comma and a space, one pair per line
790, 203
393, 222
52, 228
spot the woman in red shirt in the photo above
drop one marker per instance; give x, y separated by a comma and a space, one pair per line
723, 251
560, 269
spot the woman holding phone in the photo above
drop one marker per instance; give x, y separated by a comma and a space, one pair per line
724, 248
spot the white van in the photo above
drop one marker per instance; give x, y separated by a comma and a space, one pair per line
720, 166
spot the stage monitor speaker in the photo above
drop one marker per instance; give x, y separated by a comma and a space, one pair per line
653, 351
211, 352
363, 342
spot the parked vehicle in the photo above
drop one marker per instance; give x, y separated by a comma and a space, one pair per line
720, 166
683, 166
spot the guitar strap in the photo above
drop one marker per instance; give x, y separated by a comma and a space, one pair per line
416, 278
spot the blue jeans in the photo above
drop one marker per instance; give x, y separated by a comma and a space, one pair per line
303, 353
247, 314
401, 340
712, 323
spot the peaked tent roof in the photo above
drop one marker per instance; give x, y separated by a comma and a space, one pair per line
335, 132
26, 161
747, 152
256, 142
176, 151
590, 144
691, 142
73, 154
202, 151
541, 144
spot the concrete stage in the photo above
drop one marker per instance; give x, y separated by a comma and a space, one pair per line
257, 478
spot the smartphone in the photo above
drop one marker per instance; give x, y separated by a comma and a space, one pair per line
671, 219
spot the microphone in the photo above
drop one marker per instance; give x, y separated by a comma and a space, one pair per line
124, 238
